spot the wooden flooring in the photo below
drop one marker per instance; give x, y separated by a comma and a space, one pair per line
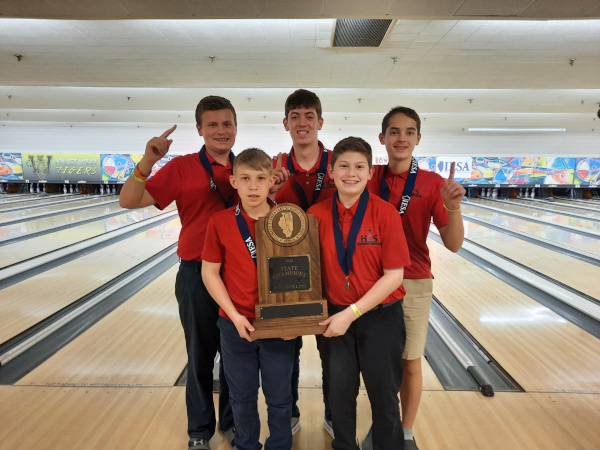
112, 387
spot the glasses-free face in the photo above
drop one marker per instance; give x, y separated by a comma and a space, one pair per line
400, 138
303, 125
218, 130
350, 173
252, 185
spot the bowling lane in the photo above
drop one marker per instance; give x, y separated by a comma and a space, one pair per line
26, 303
34, 202
43, 223
569, 271
558, 208
542, 351
124, 348
574, 240
556, 218
22, 250
25, 213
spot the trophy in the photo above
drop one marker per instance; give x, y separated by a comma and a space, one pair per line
290, 299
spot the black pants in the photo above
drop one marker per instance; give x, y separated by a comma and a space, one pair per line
373, 346
199, 313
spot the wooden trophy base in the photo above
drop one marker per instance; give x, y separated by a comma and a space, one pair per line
282, 327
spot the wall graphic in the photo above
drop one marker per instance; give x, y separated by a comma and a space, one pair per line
553, 171
587, 171
11, 167
61, 167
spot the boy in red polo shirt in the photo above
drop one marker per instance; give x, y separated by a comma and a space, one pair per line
363, 253
302, 178
199, 184
420, 196
229, 273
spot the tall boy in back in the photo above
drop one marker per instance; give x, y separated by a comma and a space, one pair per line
419, 196
199, 184
302, 179
363, 253
229, 273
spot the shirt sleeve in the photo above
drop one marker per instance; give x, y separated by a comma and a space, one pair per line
213, 250
394, 246
165, 185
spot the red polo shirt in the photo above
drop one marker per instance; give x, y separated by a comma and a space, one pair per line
224, 244
380, 245
307, 179
425, 203
185, 181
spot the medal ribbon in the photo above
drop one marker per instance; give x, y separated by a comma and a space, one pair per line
245, 232
345, 255
321, 171
207, 166
408, 187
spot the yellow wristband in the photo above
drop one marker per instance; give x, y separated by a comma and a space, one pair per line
450, 210
355, 310
138, 178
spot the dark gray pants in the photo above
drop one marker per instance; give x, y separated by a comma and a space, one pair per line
199, 313
373, 346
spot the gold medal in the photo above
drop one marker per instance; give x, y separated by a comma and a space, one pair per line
347, 284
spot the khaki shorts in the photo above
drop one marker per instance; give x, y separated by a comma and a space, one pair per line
416, 305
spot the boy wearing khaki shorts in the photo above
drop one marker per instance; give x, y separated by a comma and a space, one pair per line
419, 196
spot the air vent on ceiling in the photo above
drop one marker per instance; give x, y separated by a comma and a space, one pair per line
360, 32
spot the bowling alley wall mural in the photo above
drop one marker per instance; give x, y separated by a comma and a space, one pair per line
11, 167
116, 168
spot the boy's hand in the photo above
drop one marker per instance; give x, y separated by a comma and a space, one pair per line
157, 147
452, 192
243, 326
281, 175
338, 323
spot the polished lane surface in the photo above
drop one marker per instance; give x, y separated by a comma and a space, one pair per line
574, 240
572, 272
535, 214
22, 250
542, 351
24, 214
26, 303
558, 208
19, 229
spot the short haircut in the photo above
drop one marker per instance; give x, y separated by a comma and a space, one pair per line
255, 159
213, 103
352, 144
303, 99
411, 113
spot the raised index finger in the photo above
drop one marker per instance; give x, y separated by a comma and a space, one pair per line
279, 161
451, 176
168, 132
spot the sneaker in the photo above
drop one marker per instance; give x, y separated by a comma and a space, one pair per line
367, 443
295, 425
230, 435
198, 444
328, 425
410, 444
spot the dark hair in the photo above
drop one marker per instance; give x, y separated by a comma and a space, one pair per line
213, 103
254, 158
303, 99
411, 113
352, 144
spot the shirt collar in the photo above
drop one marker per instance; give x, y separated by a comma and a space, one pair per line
213, 162
343, 210
314, 168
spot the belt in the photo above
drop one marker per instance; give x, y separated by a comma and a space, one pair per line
191, 264
379, 307
382, 306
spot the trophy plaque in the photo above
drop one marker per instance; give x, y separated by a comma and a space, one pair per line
290, 300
